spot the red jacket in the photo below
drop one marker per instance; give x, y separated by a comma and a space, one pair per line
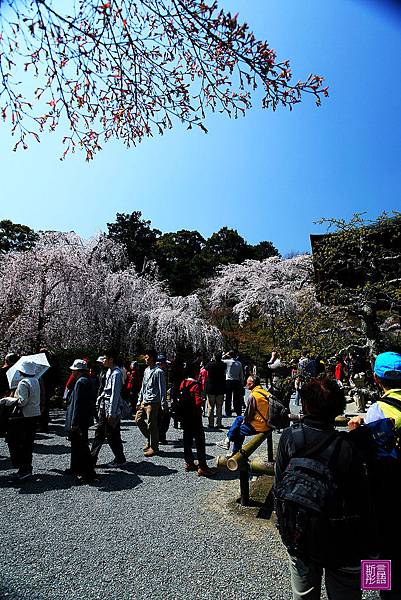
202, 377
194, 390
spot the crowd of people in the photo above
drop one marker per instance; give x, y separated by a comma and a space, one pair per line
328, 523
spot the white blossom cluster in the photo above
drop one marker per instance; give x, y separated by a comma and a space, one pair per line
65, 294
272, 287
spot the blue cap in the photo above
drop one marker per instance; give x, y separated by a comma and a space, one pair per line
388, 365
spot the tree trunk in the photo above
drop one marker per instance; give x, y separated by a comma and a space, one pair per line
374, 339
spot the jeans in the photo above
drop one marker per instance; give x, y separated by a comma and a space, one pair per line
147, 419
105, 431
164, 424
193, 430
238, 431
306, 580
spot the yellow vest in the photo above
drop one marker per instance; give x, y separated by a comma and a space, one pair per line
390, 412
259, 420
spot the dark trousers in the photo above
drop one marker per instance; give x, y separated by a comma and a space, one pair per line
20, 439
234, 397
193, 430
105, 431
43, 420
164, 424
81, 458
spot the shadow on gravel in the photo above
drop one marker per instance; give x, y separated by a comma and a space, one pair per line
6, 591
117, 481
225, 475
127, 424
38, 484
5, 465
151, 470
267, 508
43, 436
57, 429
51, 449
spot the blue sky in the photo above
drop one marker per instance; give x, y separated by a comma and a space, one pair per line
269, 175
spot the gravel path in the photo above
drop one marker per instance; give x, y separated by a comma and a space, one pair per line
148, 531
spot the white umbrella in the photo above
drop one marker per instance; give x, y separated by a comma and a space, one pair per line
37, 363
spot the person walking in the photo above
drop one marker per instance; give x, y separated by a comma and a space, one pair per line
22, 427
109, 413
151, 396
79, 417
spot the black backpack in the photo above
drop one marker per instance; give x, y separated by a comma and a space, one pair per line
279, 415
183, 405
310, 508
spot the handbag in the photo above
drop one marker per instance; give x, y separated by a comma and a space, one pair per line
9, 412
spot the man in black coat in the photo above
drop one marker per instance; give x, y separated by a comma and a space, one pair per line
215, 388
79, 418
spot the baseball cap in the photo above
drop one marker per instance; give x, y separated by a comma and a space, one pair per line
388, 365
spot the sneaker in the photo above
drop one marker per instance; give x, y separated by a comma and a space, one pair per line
190, 467
206, 472
224, 443
115, 464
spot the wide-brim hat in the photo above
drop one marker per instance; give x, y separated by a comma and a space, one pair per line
79, 365
27, 368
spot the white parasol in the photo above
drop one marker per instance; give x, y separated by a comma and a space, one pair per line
37, 364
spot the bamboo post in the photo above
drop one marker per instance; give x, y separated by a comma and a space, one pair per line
244, 486
257, 466
241, 457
